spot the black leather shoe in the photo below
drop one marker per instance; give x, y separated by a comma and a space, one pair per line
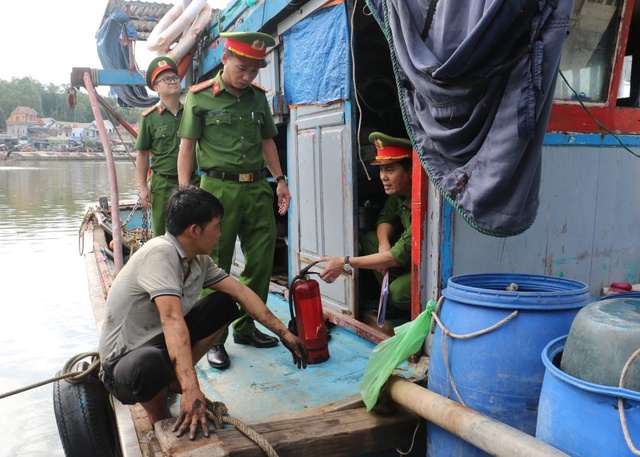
218, 357
257, 339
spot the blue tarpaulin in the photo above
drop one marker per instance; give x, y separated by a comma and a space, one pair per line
115, 56
324, 75
476, 83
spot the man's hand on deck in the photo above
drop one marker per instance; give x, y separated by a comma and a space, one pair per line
192, 414
297, 349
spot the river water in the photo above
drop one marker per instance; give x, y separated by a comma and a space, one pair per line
46, 312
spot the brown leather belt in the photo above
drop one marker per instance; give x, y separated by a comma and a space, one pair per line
239, 177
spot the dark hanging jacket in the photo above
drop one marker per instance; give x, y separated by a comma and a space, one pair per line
476, 82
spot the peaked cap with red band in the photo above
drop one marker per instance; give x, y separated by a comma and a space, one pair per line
390, 149
157, 66
251, 45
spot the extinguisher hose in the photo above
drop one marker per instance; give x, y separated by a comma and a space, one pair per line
304, 272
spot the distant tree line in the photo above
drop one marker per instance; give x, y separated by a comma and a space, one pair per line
51, 101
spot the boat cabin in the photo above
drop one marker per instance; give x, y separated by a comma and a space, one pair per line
330, 81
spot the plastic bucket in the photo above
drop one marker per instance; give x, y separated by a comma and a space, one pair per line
582, 418
498, 371
603, 337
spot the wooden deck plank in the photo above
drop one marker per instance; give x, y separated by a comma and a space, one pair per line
173, 446
351, 402
335, 434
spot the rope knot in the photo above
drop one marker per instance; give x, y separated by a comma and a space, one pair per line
217, 413
217, 410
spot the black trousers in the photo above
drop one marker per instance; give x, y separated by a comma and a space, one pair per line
138, 375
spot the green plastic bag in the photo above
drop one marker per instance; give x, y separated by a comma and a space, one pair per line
390, 354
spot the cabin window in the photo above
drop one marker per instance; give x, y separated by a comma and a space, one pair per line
629, 90
589, 52
601, 63
624, 89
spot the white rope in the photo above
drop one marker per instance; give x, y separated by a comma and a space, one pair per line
474, 334
413, 439
448, 333
623, 420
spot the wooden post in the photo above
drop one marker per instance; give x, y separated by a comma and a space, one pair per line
113, 181
418, 218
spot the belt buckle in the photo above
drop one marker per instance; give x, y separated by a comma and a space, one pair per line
245, 177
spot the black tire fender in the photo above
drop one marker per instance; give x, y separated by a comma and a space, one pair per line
85, 417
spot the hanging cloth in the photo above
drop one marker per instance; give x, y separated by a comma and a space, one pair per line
113, 41
476, 83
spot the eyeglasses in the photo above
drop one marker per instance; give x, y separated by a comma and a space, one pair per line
168, 79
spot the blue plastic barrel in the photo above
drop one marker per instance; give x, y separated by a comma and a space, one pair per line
582, 418
498, 373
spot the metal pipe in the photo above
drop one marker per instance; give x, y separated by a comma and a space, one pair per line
491, 436
113, 181
132, 54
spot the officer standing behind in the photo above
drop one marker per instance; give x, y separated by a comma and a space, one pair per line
389, 247
157, 135
230, 120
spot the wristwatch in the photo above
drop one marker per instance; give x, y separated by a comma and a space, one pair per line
281, 178
347, 265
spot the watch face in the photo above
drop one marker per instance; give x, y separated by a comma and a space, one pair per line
347, 267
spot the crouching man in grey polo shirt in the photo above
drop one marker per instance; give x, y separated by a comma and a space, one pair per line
155, 329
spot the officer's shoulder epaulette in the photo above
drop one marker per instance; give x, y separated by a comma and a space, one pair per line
258, 86
203, 85
149, 110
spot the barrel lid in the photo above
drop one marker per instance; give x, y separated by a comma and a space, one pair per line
517, 291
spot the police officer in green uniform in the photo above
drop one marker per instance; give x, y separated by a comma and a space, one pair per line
229, 120
158, 138
389, 247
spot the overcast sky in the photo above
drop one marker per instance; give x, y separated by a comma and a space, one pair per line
45, 39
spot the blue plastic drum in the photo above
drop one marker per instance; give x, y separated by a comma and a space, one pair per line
582, 418
497, 372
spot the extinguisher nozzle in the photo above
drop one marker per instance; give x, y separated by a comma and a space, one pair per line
306, 269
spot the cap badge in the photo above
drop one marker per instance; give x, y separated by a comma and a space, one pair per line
162, 63
258, 45
378, 144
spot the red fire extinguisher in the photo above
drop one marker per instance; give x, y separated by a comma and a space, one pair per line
308, 321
